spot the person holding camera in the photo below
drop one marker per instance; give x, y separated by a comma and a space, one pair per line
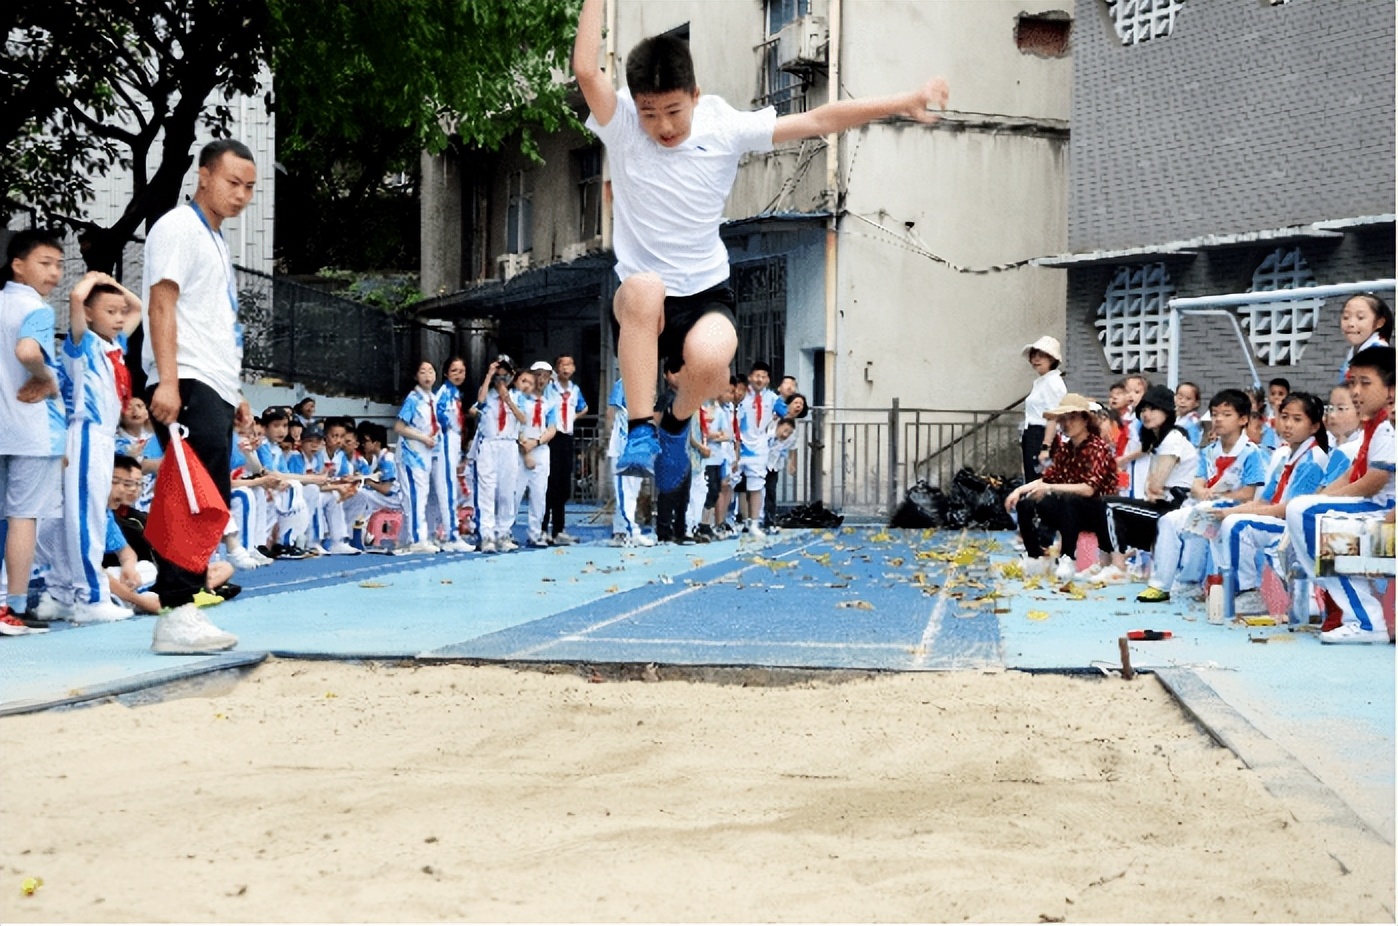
497, 456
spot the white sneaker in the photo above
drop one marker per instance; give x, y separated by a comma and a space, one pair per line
488, 546
457, 546
1112, 575
1249, 603
241, 559
506, 544
620, 540
1353, 633
1066, 569
185, 630
261, 560
50, 608
1035, 566
538, 542
642, 540
564, 539
341, 548
104, 612
755, 530
1090, 573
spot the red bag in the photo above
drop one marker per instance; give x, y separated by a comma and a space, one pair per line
188, 516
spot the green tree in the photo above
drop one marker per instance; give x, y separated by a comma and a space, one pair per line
90, 84
363, 86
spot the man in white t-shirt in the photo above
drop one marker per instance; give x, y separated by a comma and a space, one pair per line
193, 358
674, 156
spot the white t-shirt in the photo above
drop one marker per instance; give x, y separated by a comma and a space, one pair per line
1381, 457
669, 201
1048, 391
182, 249
27, 429
1186, 457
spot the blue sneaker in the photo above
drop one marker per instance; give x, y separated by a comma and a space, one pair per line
672, 464
638, 458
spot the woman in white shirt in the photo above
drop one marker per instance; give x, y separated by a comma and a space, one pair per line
1132, 522
1045, 356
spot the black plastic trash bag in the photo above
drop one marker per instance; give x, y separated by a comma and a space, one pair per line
813, 515
925, 506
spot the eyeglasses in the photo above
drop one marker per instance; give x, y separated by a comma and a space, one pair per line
127, 483
1338, 408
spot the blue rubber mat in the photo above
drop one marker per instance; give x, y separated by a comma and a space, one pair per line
871, 601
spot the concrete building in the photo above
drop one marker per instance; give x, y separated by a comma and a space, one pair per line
890, 262
1225, 147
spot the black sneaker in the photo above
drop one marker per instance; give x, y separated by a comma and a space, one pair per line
291, 552
228, 591
29, 619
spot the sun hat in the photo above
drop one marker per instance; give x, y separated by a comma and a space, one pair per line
1072, 402
313, 432
541, 365
1046, 345
1157, 397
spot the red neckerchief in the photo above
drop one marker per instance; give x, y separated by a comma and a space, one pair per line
122, 376
1361, 459
1220, 467
757, 407
735, 422
1280, 491
538, 411
704, 425
567, 397
502, 415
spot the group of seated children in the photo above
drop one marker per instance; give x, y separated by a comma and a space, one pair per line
732, 485
1252, 492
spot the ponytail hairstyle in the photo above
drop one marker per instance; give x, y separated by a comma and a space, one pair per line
1380, 309
1314, 410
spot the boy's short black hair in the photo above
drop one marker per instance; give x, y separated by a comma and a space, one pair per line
101, 289
1376, 358
761, 365
125, 462
372, 431
221, 146
1198, 393
1235, 399
1280, 381
1119, 384
737, 379
660, 64
275, 413
22, 244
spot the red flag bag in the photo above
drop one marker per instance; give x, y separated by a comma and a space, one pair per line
188, 516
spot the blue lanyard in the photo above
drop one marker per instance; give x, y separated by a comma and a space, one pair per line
217, 236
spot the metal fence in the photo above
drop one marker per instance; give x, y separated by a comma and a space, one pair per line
861, 462
328, 343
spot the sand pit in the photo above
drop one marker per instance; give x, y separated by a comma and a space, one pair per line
329, 792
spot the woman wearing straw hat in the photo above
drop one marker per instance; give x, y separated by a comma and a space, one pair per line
1067, 499
1044, 355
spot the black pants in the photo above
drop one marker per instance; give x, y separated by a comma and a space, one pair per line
210, 422
1066, 515
1134, 522
560, 487
1030, 443
769, 500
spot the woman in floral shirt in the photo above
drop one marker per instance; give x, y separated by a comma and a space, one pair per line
1081, 470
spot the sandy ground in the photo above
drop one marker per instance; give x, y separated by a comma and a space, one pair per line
329, 792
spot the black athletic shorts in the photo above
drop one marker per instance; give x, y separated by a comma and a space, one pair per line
681, 314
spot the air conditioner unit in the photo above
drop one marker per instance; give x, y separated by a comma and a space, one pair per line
803, 44
510, 265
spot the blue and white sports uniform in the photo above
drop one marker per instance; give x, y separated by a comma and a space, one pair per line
1374, 340
415, 461
628, 488
757, 418
1355, 595
87, 380
1243, 538
497, 465
32, 435
141, 447
366, 501
1181, 554
569, 402
540, 414
446, 496
328, 523
289, 512
249, 508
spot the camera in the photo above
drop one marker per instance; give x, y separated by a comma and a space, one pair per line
504, 370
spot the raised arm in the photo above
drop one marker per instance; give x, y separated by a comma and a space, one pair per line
836, 117
596, 86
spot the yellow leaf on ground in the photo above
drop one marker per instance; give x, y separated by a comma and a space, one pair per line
1037, 615
372, 584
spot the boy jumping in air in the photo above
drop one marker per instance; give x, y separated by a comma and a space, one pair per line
674, 157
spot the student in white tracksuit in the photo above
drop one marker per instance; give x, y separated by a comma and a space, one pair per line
446, 494
538, 428
417, 426
497, 459
625, 531
93, 391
